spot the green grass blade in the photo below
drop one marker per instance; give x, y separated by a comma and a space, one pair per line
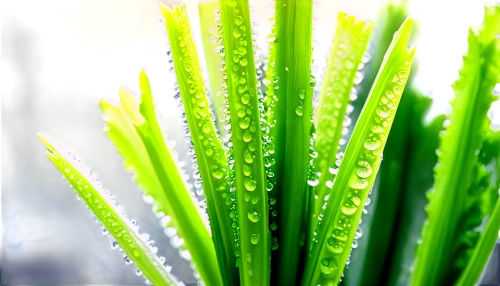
380, 226
482, 250
349, 45
330, 249
419, 180
389, 20
383, 221
288, 113
134, 129
457, 155
105, 210
210, 155
209, 37
250, 179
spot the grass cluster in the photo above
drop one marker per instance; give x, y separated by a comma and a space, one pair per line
285, 180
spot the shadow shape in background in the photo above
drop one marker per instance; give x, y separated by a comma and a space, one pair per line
48, 236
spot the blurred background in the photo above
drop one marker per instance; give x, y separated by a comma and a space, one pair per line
60, 57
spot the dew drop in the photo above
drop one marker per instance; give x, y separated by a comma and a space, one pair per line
348, 209
364, 170
237, 32
271, 38
299, 110
245, 98
383, 111
253, 216
273, 226
248, 156
239, 20
302, 94
250, 184
328, 266
372, 144
247, 136
254, 238
248, 257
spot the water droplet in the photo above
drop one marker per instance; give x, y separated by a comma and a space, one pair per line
359, 233
250, 272
241, 113
243, 62
313, 183
237, 32
271, 38
397, 90
328, 266
273, 226
247, 136
364, 170
217, 174
254, 238
138, 272
250, 184
302, 94
255, 200
247, 170
248, 156
245, 98
348, 209
253, 216
239, 20
205, 128
248, 257
312, 81
383, 111
372, 144
299, 110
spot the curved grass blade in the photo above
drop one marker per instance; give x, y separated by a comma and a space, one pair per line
457, 155
389, 20
134, 129
395, 206
482, 250
330, 249
211, 156
243, 98
105, 210
419, 180
349, 45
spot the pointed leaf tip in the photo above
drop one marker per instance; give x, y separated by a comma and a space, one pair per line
49, 143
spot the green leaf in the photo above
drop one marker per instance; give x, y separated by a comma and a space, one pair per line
382, 224
349, 45
482, 250
210, 38
382, 227
454, 176
331, 246
210, 156
105, 210
388, 22
134, 130
289, 91
246, 140
419, 179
